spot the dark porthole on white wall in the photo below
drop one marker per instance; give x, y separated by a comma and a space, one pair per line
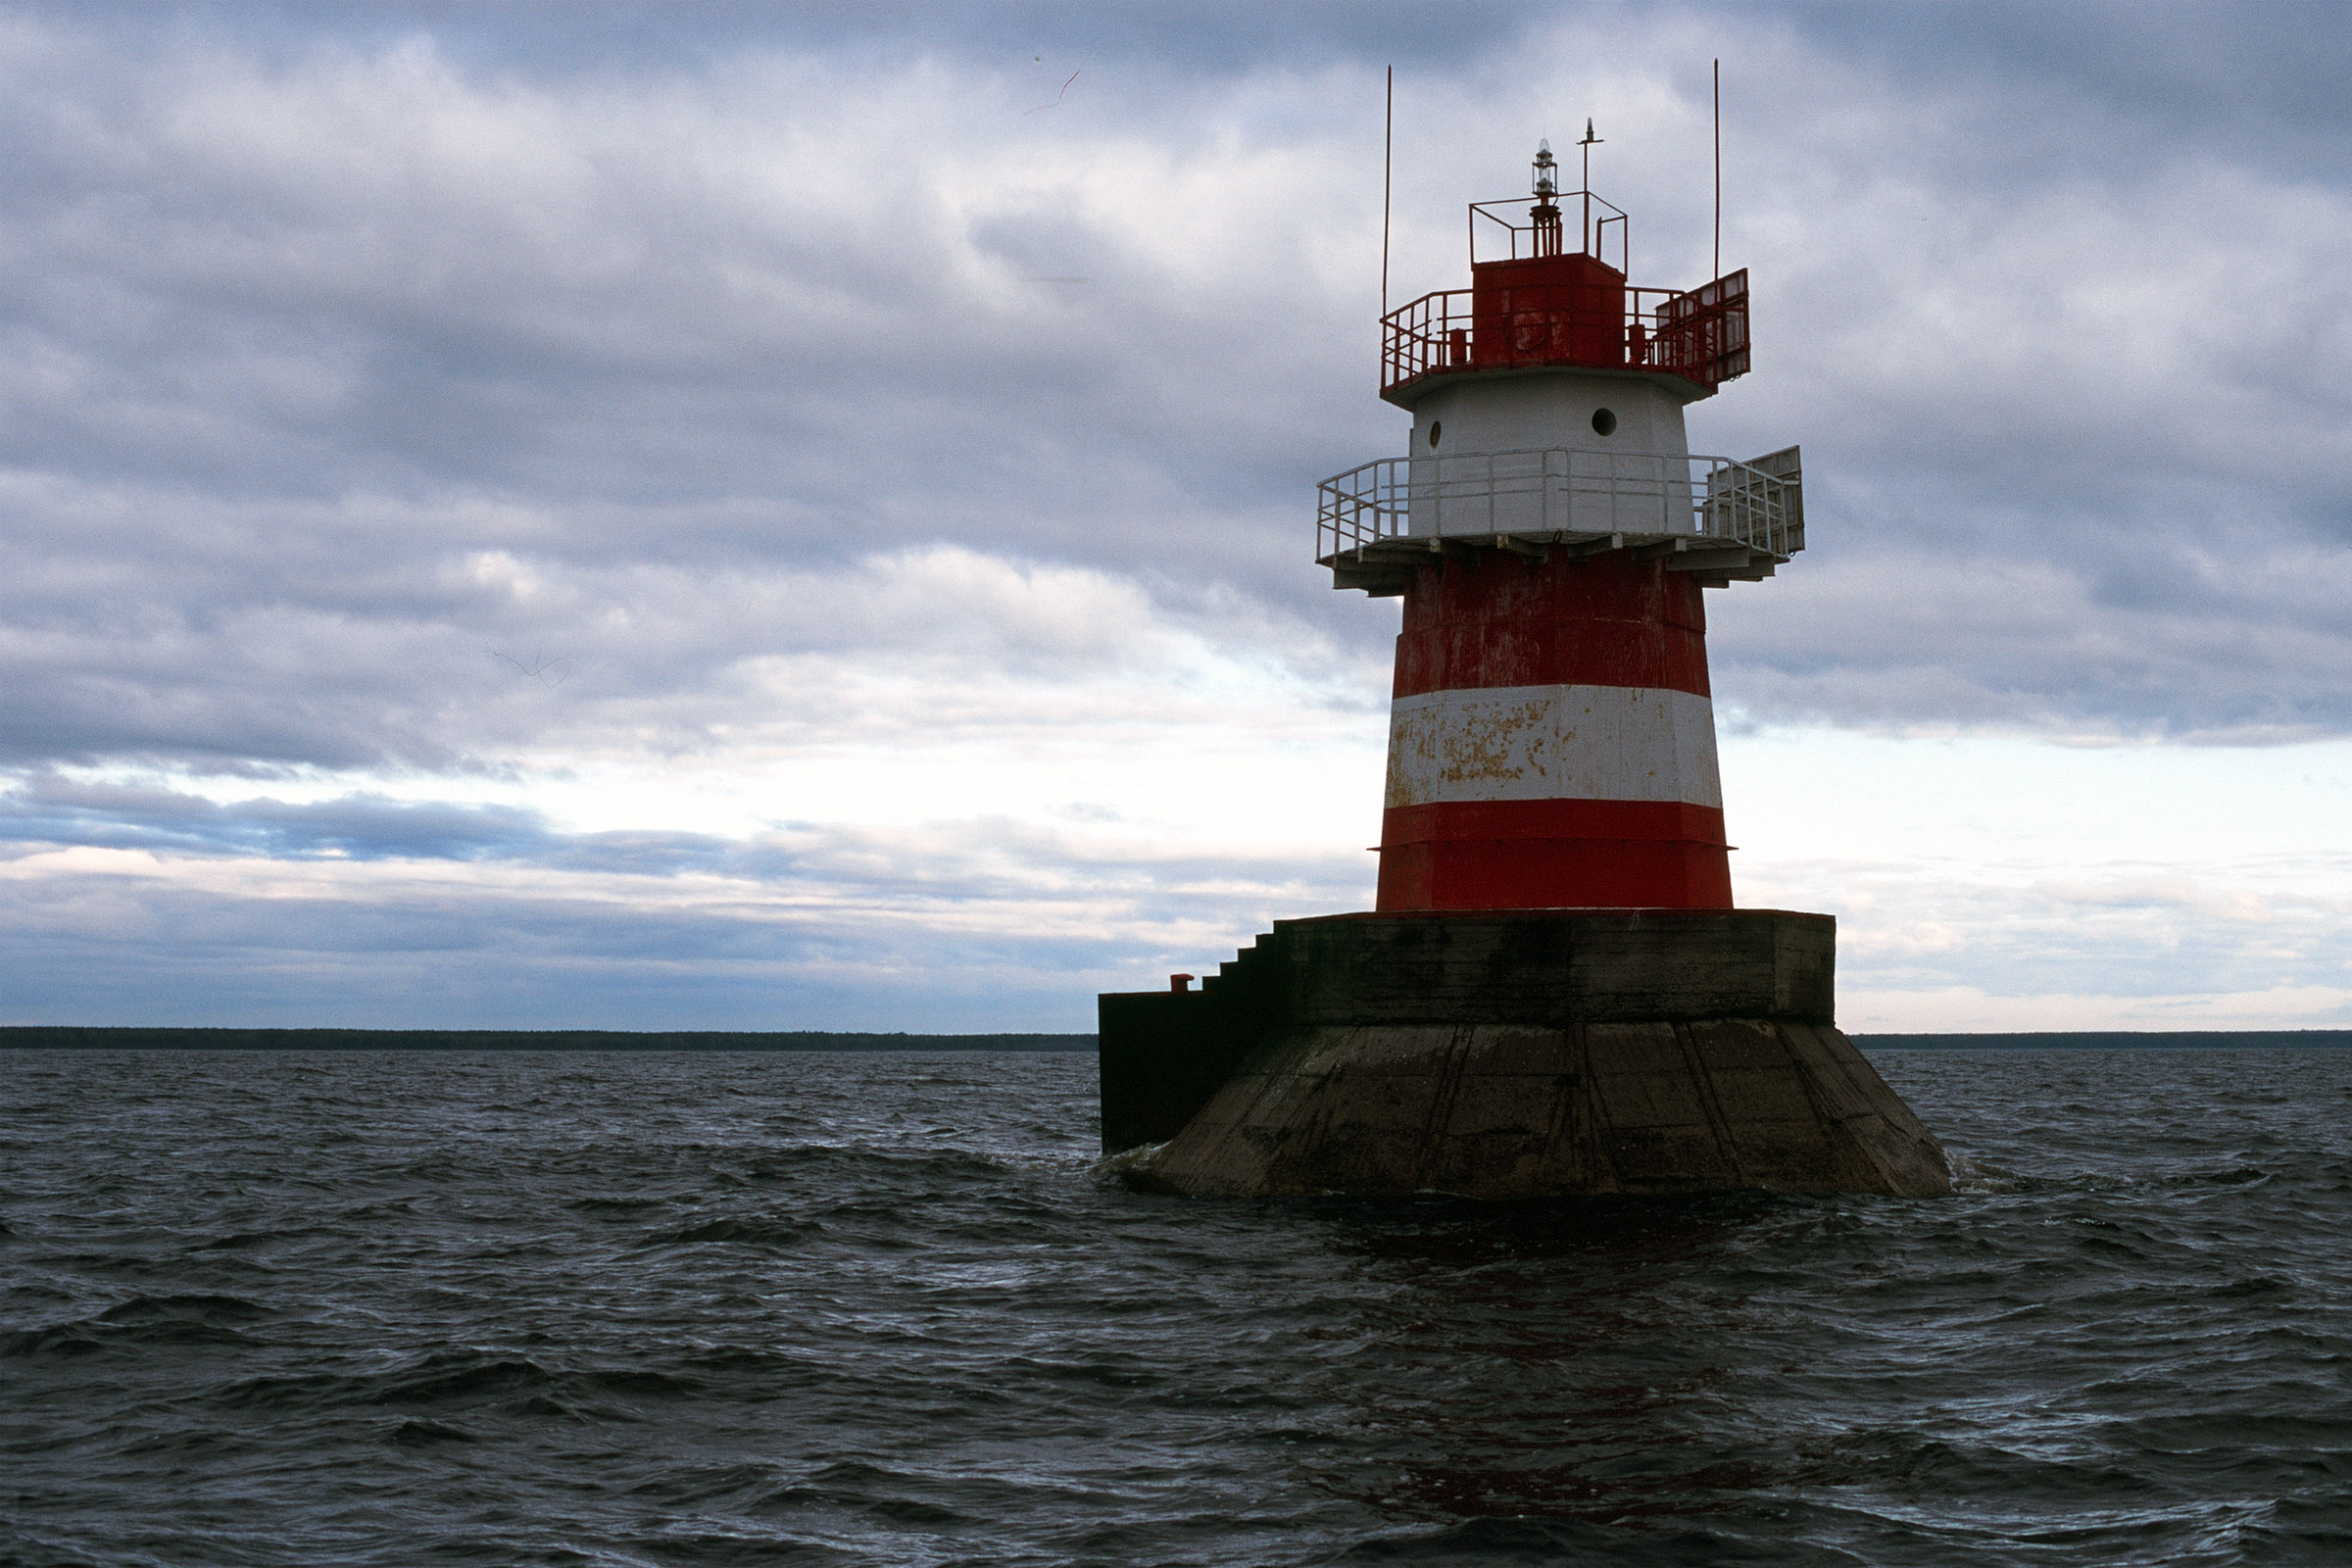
1603, 422
1434, 425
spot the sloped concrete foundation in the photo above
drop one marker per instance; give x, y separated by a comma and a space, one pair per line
1494, 1111
1521, 1055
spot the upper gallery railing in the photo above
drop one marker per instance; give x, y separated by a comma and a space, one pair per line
1699, 335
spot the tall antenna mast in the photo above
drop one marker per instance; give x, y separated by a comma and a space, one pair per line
1718, 171
1388, 164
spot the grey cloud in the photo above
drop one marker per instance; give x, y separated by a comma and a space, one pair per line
310, 310
2263, 82
56, 810
811, 926
2149, 936
346, 350
1212, 36
283, 635
823, 927
984, 861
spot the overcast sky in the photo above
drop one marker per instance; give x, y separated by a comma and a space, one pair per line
801, 517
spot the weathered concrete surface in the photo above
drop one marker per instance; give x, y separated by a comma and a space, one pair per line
1556, 966
1165, 1054
1507, 1110
1511, 1055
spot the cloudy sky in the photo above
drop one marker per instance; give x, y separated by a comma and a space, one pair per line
801, 517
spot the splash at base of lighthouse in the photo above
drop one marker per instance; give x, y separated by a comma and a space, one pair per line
1510, 1053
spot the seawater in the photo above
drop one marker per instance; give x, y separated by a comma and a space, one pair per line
409, 1307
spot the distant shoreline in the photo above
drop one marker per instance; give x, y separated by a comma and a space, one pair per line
2120, 1040
62, 1036
68, 1037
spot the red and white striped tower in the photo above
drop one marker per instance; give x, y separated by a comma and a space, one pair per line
1552, 742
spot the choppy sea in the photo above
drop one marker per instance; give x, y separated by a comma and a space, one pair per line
687, 1309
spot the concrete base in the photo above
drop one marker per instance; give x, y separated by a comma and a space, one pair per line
1496, 1111
1519, 1054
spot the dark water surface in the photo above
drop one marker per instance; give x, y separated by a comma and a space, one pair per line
616, 1309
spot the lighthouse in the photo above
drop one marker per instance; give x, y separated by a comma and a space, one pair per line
1551, 737
1555, 992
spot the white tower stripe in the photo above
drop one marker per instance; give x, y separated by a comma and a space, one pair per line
1551, 742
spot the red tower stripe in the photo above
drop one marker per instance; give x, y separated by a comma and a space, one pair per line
1556, 874
1445, 821
1503, 619
1503, 854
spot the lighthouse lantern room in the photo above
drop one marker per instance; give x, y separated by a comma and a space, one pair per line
1551, 740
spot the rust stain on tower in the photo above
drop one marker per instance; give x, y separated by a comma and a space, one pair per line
1555, 993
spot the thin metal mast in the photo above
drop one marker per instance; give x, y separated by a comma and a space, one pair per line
1718, 168
1388, 164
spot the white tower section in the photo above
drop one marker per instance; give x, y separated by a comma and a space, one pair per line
1541, 450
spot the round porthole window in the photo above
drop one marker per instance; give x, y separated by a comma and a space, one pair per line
1603, 422
1434, 427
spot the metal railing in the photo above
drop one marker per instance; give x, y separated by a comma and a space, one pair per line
1699, 335
1563, 491
1539, 237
